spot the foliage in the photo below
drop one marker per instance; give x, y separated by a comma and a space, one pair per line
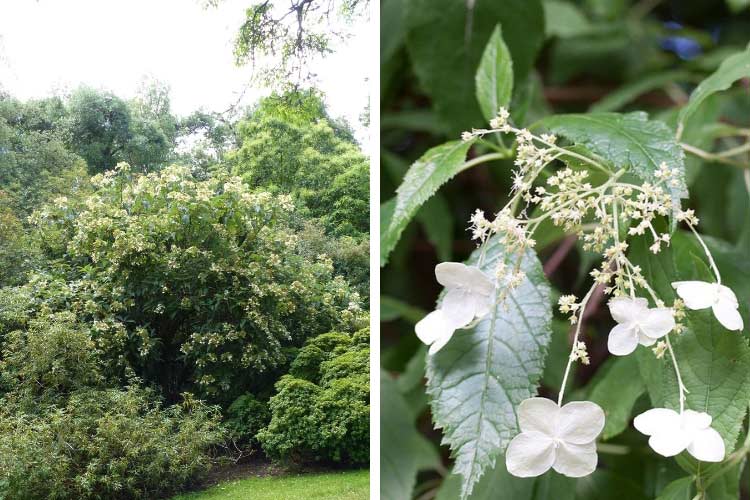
294, 34
106, 443
35, 164
321, 409
667, 84
187, 280
246, 416
53, 356
299, 150
104, 129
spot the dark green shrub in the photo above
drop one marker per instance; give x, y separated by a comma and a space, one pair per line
105, 444
293, 430
321, 410
315, 352
246, 416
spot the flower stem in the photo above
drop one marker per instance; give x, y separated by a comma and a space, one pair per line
708, 254
584, 302
681, 386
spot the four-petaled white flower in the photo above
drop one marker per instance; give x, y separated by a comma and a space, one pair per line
671, 433
563, 438
637, 324
701, 295
468, 295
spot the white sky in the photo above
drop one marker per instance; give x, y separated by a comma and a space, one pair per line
49, 45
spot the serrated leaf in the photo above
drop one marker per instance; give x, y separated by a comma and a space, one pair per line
446, 38
626, 140
616, 397
404, 451
494, 78
436, 167
714, 362
478, 379
732, 69
679, 489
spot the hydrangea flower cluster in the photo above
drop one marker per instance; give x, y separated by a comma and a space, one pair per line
602, 216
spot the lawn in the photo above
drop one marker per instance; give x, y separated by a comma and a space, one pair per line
347, 485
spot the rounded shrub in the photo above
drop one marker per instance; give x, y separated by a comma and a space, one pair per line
321, 410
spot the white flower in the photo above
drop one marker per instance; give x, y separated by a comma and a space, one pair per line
671, 433
637, 324
468, 296
562, 438
723, 301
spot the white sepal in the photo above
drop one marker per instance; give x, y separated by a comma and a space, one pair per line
562, 438
671, 433
721, 299
637, 324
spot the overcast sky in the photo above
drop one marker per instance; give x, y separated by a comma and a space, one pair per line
49, 45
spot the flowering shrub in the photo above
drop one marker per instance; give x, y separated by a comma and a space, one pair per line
186, 280
517, 381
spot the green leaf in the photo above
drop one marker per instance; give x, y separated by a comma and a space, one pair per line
436, 167
679, 489
411, 382
392, 29
476, 381
563, 19
616, 392
625, 140
630, 91
386, 215
714, 362
392, 309
404, 451
494, 78
446, 39
437, 220
732, 69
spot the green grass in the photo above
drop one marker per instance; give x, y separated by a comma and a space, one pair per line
347, 485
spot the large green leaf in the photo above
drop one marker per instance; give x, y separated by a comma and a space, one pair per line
425, 176
446, 38
494, 77
479, 378
714, 362
403, 450
616, 392
626, 140
732, 69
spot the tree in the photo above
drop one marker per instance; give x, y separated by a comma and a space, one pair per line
99, 127
292, 35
